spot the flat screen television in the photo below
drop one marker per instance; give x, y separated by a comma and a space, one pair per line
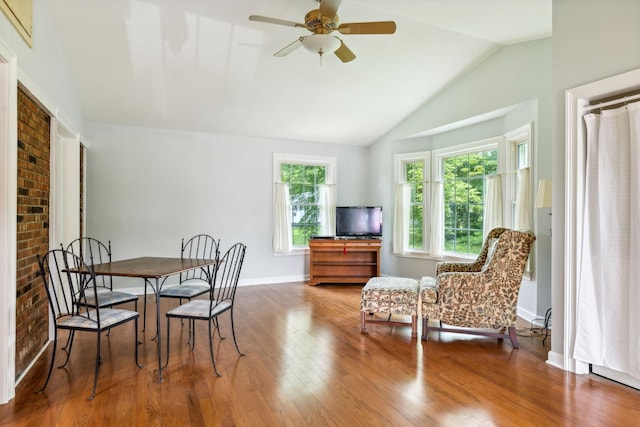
359, 221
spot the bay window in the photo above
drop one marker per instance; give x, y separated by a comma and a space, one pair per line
452, 194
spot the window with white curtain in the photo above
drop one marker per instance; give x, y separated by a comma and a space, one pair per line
304, 199
445, 198
463, 170
412, 170
519, 149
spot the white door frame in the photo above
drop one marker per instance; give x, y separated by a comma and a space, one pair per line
575, 101
8, 210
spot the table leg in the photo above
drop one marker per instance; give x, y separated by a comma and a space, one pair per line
158, 334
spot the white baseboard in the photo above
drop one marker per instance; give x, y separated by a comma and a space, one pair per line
35, 359
556, 359
531, 317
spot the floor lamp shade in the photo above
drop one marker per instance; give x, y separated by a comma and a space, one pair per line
543, 197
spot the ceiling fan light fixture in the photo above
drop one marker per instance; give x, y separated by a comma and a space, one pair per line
321, 43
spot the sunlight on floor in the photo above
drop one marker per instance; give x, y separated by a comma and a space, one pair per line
307, 353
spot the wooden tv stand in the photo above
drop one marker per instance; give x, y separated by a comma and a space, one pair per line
343, 260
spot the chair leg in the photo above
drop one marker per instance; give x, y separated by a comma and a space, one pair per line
213, 359
67, 343
137, 342
425, 330
156, 301
135, 308
95, 378
108, 330
192, 333
144, 315
215, 319
513, 336
181, 319
363, 323
233, 332
70, 345
168, 341
53, 359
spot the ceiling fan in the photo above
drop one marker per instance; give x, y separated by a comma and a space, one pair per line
322, 22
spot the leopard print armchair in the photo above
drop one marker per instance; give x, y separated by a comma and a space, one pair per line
483, 294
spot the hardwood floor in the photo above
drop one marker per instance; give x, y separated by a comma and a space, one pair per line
307, 364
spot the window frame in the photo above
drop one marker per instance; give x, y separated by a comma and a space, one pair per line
513, 139
400, 161
506, 145
488, 144
328, 162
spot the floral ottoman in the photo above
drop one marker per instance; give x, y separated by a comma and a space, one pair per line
390, 295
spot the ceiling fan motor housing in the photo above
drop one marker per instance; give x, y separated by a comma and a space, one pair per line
320, 24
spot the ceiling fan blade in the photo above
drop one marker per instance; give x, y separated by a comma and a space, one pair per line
344, 53
289, 48
329, 8
276, 21
382, 27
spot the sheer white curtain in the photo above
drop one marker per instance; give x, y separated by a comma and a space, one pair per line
401, 217
492, 204
523, 201
437, 214
327, 204
608, 326
282, 231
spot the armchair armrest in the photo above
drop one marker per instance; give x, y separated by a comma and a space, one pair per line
462, 267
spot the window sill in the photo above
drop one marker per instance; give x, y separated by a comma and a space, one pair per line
423, 255
295, 251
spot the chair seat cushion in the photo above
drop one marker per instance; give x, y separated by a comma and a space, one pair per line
393, 295
108, 317
109, 298
185, 290
199, 309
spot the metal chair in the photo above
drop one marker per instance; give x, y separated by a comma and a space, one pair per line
70, 284
222, 294
193, 283
93, 251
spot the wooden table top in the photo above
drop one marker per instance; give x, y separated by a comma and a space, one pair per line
150, 267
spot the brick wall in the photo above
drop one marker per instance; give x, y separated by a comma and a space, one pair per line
32, 330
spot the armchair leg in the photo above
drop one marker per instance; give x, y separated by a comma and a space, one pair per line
414, 326
513, 336
363, 323
425, 329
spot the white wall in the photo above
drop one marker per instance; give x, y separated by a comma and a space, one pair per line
592, 40
147, 189
515, 83
40, 70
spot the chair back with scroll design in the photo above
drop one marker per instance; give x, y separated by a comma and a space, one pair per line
92, 251
70, 287
194, 283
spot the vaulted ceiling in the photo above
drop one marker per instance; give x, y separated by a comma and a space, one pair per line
203, 66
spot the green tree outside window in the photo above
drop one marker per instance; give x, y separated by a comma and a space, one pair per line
414, 175
464, 199
303, 183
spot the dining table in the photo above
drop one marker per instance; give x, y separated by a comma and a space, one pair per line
154, 271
